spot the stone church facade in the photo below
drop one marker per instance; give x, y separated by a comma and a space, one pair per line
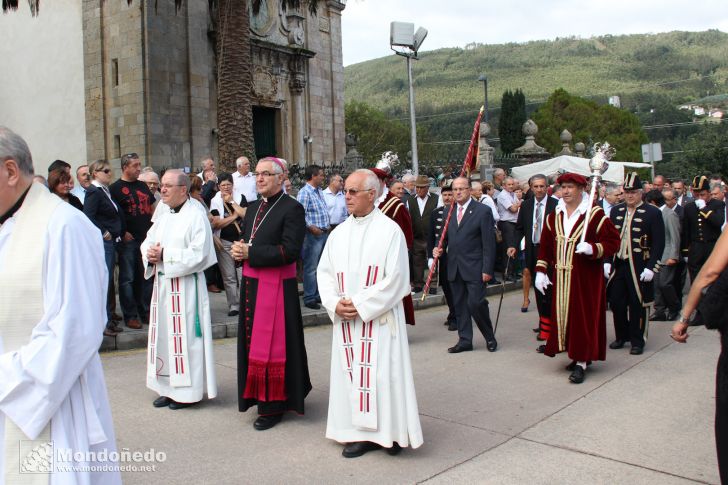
149, 82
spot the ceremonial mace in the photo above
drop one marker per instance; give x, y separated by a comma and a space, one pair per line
469, 164
598, 165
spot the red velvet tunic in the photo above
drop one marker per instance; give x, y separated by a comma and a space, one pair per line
579, 306
393, 208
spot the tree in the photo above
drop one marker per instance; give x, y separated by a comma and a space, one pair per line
378, 134
589, 122
231, 20
512, 117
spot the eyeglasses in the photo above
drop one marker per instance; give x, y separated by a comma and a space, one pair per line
264, 174
353, 192
169, 186
105, 170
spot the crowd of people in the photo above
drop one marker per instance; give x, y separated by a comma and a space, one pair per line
363, 246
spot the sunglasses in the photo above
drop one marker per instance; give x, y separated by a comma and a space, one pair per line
105, 170
130, 155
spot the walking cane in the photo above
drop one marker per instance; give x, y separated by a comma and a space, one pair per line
503, 290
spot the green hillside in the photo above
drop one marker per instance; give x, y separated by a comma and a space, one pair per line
652, 74
682, 65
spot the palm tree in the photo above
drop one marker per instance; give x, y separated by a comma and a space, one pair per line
231, 20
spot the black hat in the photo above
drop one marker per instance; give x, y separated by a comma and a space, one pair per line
701, 182
632, 182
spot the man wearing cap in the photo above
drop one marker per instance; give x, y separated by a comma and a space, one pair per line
578, 307
392, 207
630, 288
437, 222
702, 222
420, 206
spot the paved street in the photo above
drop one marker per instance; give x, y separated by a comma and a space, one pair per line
507, 417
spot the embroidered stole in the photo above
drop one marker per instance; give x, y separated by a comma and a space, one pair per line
23, 281
176, 327
358, 346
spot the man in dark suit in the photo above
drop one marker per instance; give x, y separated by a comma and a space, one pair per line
630, 289
470, 259
528, 227
420, 208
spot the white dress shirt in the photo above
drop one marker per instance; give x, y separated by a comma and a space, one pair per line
245, 185
536, 203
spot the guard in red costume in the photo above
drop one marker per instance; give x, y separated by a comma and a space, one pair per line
578, 309
393, 208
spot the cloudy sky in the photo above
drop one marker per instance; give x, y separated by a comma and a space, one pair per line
456, 23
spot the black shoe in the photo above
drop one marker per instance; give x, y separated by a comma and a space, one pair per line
491, 346
459, 348
494, 282
358, 448
267, 422
577, 375
432, 291
536, 330
658, 317
452, 327
161, 402
636, 351
394, 450
447, 323
672, 316
617, 344
541, 349
180, 405
571, 366
540, 338
312, 305
233, 313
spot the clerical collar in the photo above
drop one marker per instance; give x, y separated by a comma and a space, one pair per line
273, 197
176, 210
365, 216
11, 212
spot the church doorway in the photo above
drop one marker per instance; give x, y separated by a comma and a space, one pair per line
264, 131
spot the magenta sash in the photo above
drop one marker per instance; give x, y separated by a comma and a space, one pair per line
266, 379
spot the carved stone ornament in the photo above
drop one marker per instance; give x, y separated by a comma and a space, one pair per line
296, 36
265, 84
261, 22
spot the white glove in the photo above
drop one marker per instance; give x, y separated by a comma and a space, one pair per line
584, 248
429, 263
647, 275
700, 203
542, 282
607, 269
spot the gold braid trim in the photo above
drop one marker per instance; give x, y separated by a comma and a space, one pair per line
600, 250
706, 214
542, 264
389, 205
565, 247
599, 227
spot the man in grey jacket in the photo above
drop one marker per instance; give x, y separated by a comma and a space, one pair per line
667, 302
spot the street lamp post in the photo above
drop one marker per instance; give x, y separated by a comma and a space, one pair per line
484, 79
402, 34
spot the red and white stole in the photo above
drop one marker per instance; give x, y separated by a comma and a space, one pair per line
358, 346
179, 372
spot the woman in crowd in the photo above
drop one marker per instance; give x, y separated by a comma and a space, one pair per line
227, 221
712, 313
104, 213
60, 183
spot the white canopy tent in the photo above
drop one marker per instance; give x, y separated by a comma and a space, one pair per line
565, 163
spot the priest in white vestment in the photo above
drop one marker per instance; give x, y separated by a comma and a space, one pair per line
55, 420
362, 277
178, 248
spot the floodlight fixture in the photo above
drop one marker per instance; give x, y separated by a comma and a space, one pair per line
419, 38
401, 34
